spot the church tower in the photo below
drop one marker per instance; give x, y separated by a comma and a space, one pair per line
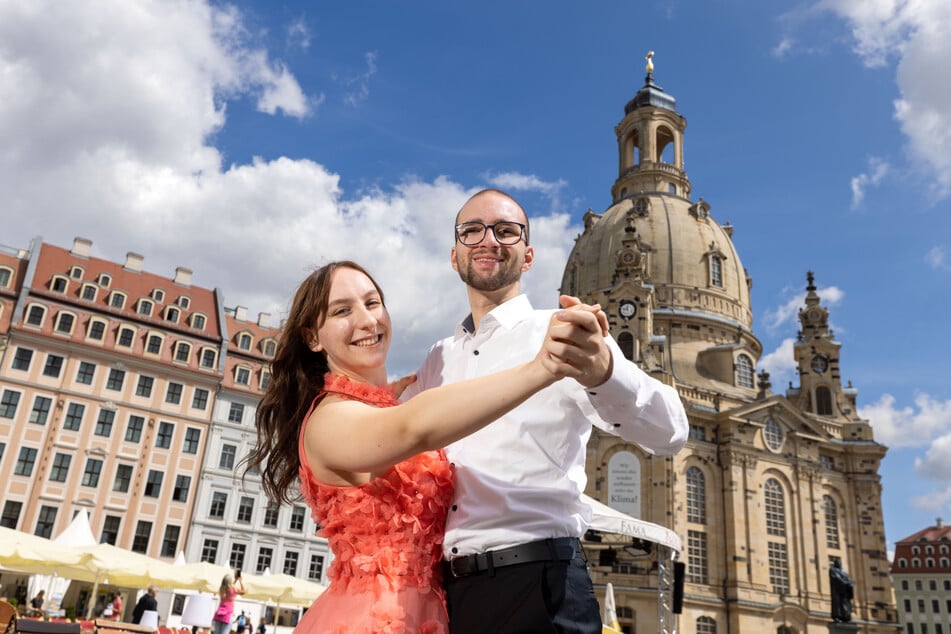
770, 488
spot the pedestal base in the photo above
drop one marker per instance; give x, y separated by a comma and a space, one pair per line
843, 628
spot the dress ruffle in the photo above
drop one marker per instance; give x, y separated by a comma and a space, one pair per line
386, 536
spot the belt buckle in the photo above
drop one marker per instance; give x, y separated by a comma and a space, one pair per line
452, 567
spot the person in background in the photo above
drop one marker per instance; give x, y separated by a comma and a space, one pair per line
231, 587
147, 602
241, 623
113, 609
262, 626
514, 562
36, 604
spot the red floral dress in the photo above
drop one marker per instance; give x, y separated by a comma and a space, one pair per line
386, 536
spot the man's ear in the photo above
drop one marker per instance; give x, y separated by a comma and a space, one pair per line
529, 258
452, 260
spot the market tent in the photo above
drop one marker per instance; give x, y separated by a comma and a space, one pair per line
77, 534
31, 553
608, 520
282, 589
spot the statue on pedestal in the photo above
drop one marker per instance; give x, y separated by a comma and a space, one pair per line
842, 592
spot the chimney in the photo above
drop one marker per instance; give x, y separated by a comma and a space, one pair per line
183, 276
81, 247
133, 262
939, 523
264, 320
241, 313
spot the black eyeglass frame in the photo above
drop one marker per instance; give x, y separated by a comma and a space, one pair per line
485, 228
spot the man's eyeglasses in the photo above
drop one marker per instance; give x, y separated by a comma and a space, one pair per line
506, 233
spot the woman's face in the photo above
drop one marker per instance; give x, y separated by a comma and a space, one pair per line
355, 335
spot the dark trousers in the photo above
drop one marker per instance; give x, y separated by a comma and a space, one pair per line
550, 597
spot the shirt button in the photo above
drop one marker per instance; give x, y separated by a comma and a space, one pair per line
455, 507
593, 393
475, 352
454, 550
452, 464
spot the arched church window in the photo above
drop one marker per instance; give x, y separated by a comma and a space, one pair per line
744, 371
696, 496
832, 521
823, 401
665, 145
706, 625
625, 341
716, 271
775, 508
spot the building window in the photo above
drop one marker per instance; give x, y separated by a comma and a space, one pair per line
219, 501
265, 379
59, 284
182, 485
242, 376
8, 404
163, 439
140, 543
706, 625
92, 472
192, 438
244, 341
826, 462
298, 513
208, 357
144, 386
209, 551
200, 398
264, 559
123, 478
245, 509
11, 514
775, 508
697, 432
110, 530
104, 280
778, 568
270, 347
171, 314
126, 337
41, 410
198, 322
88, 292
104, 423
153, 344
832, 521
744, 371
184, 302
773, 434
34, 316
316, 567
117, 300
60, 469
290, 563
115, 380
236, 560
170, 541
696, 556
173, 394
74, 416
696, 496
271, 512
236, 412
145, 307
21, 359
45, 521
823, 401
133, 431
64, 323
25, 461
5, 276
182, 351
716, 271
158, 295
85, 373
54, 366
97, 330
76, 272
226, 460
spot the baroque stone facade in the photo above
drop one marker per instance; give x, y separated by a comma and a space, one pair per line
771, 488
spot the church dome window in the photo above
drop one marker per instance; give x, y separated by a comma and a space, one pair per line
744, 371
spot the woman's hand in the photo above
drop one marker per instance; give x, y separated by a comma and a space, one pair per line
574, 345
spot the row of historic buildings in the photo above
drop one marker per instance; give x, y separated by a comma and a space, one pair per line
133, 395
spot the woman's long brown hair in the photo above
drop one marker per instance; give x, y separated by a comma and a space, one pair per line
297, 377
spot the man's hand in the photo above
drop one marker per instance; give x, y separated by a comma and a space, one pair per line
576, 338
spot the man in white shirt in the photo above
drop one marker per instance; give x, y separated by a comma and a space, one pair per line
513, 557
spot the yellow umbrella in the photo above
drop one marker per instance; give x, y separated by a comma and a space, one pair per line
31, 553
282, 589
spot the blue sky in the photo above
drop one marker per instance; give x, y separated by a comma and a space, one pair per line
250, 141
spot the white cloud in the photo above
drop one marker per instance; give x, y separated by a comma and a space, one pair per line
936, 258
878, 169
909, 426
781, 365
785, 45
298, 34
936, 464
525, 182
787, 313
918, 34
360, 84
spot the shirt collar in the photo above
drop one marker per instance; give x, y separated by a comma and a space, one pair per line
506, 315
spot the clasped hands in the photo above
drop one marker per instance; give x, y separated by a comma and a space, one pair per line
575, 346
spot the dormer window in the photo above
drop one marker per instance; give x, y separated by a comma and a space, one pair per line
744, 371
59, 284
145, 307
117, 300
126, 336
158, 295
242, 375
76, 272
244, 341
35, 315
270, 347
208, 358
153, 344
198, 322
105, 280
184, 302
97, 330
6, 275
89, 292
171, 314
64, 323
182, 351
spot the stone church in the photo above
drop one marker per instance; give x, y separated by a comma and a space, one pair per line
771, 488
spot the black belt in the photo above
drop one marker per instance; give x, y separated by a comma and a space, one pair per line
553, 549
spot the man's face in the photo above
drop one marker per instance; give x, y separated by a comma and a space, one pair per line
490, 266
